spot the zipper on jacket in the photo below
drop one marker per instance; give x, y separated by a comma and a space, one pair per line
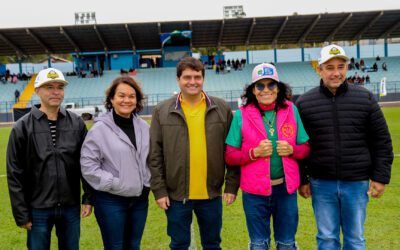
186, 195
336, 137
55, 153
208, 109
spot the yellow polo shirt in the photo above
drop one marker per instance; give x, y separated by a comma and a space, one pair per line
195, 119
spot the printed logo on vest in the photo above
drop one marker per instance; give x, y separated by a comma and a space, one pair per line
287, 130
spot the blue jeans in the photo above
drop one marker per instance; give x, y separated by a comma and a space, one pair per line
283, 209
121, 219
65, 219
209, 218
340, 204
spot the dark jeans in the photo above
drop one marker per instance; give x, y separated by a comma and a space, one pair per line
66, 221
209, 218
121, 219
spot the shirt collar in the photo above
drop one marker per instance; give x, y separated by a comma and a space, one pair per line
39, 114
204, 97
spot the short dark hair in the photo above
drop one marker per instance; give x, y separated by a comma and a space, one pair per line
110, 92
191, 63
285, 92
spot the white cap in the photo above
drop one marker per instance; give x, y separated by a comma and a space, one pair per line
49, 75
332, 51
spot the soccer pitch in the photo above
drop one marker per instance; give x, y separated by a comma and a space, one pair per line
382, 227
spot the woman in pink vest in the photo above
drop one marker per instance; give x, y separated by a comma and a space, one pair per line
266, 138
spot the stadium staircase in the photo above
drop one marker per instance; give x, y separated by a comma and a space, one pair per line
314, 64
27, 94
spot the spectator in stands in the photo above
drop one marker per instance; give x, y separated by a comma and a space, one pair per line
16, 95
242, 62
132, 72
384, 66
378, 58
362, 80
8, 75
357, 65
375, 67
341, 181
351, 64
94, 73
362, 63
367, 79
238, 66
266, 138
43, 168
187, 159
3, 79
14, 79
222, 68
350, 80
114, 162
82, 74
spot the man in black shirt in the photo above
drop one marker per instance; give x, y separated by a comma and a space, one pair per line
43, 168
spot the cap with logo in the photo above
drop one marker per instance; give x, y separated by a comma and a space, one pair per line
332, 51
49, 75
264, 71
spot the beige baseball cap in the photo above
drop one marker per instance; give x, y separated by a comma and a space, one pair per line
49, 75
332, 51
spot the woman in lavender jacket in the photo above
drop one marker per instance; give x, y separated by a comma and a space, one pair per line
114, 162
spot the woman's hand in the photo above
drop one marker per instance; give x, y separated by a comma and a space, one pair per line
284, 148
86, 210
263, 149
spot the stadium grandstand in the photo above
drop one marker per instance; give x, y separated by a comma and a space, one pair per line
153, 49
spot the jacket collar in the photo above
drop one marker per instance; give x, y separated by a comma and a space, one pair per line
108, 119
342, 89
256, 118
39, 114
178, 103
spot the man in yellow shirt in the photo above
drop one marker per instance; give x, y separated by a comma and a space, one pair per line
187, 138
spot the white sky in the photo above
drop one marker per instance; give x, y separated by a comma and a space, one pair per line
34, 13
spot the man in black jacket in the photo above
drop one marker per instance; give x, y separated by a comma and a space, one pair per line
351, 152
43, 168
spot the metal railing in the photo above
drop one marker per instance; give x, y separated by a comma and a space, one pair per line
231, 96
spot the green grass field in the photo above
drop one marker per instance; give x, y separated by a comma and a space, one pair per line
382, 226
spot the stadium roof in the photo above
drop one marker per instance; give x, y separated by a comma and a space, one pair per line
294, 29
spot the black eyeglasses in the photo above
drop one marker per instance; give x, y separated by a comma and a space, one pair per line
261, 86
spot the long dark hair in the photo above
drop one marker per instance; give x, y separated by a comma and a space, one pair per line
110, 92
284, 93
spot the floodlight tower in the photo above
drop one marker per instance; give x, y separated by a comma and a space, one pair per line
85, 18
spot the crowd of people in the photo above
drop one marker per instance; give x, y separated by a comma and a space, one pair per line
355, 65
224, 66
196, 154
357, 79
7, 77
